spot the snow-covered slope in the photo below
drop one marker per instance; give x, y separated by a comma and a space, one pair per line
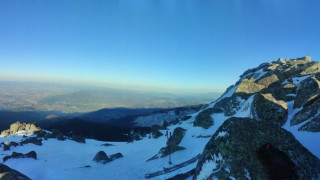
267, 104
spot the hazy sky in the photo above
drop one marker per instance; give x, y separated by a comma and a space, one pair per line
185, 45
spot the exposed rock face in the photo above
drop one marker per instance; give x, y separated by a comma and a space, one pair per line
172, 144
266, 108
313, 68
31, 154
248, 86
101, 157
78, 138
267, 81
231, 105
7, 173
204, 118
307, 90
32, 140
15, 127
235, 153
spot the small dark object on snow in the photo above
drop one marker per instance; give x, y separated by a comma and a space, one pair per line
279, 165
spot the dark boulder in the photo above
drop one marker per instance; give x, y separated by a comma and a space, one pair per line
32, 140
230, 105
116, 156
235, 155
248, 86
6, 147
78, 138
61, 137
204, 119
7, 173
12, 143
101, 157
266, 108
267, 81
307, 90
155, 131
14, 155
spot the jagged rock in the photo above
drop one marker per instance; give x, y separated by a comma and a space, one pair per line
155, 131
177, 136
78, 138
282, 61
12, 143
248, 86
54, 133
116, 156
313, 68
266, 108
6, 147
14, 155
263, 66
61, 137
307, 89
230, 105
101, 157
312, 126
32, 140
184, 118
204, 118
7, 173
106, 144
40, 134
15, 127
235, 154
268, 80
5, 132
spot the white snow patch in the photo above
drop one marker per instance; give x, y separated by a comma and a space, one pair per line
245, 110
293, 95
221, 134
298, 80
210, 166
247, 174
259, 74
309, 140
285, 82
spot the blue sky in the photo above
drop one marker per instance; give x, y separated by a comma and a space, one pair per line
169, 45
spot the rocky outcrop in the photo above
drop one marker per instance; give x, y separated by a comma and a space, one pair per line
7, 173
15, 127
32, 140
116, 156
15, 155
248, 86
172, 144
311, 126
313, 68
230, 105
266, 108
101, 157
307, 90
267, 81
204, 119
235, 152
78, 138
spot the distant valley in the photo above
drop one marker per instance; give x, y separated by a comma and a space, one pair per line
24, 96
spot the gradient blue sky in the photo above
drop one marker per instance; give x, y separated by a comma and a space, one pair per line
171, 45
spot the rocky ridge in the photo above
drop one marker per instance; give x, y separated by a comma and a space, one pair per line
258, 108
